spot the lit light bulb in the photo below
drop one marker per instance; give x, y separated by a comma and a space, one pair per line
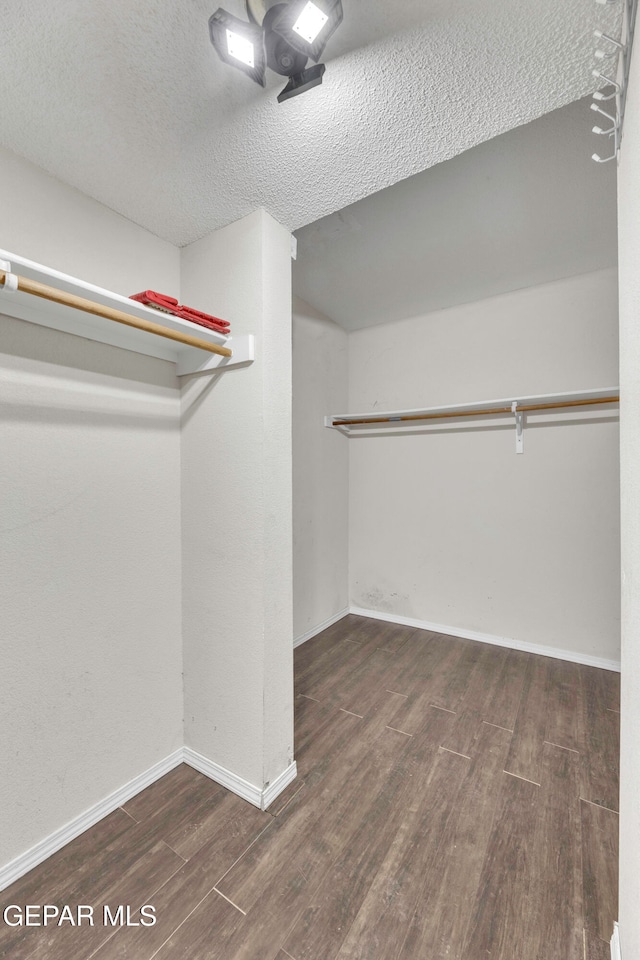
310, 22
240, 48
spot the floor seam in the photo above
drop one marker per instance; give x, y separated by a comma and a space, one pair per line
601, 805
455, 752
518, 777
560, 747
169, 847
292, 797
181, 924
403, 732
246, 850
240, 910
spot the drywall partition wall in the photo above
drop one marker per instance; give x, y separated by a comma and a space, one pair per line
236, 511
447, 524
90, 686
629, 254
320, 472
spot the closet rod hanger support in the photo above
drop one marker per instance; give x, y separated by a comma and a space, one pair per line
517, 408
519, 415
11, 281
514, 408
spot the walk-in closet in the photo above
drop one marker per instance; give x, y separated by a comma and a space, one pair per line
319, 446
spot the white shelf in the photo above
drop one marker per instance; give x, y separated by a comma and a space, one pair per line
479, 405
364, 424
70, 320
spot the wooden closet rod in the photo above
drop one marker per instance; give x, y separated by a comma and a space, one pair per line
109, 313
477, 413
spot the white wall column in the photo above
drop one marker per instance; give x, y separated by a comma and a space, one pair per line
236, 509
629, 279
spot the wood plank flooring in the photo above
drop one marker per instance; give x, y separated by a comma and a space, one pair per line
455, 801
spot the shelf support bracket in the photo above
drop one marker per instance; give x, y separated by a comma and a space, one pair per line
191, 360
10, 281
341, 428
519, 415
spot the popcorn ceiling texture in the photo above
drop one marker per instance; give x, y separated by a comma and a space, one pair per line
130, 104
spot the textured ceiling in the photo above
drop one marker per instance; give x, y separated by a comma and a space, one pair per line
527, 207
129, 103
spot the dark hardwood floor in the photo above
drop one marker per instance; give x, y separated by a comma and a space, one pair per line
454, 800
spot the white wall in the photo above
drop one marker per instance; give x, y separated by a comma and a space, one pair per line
89, 514
51, 223
236, 510
93, 535
629, 258
447, 524
320, 470
510, 213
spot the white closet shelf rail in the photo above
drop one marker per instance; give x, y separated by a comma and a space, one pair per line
16, 282
114, 319
485, 408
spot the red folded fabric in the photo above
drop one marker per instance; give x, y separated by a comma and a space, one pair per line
209, 324
170, 305
195, 316
152, 299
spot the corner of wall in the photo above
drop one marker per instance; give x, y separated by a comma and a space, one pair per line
236, 509
320, 472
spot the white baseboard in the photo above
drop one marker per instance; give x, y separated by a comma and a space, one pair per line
320, 627
542, 651
273, 790
59, 838
248, 791
615, 943
259, 797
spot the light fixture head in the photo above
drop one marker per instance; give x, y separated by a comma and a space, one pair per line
310, 22
239, 44
282, 58
307, 25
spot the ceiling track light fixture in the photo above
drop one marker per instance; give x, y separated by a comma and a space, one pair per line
281, 36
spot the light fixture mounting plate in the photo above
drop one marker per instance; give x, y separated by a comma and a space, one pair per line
257, 9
